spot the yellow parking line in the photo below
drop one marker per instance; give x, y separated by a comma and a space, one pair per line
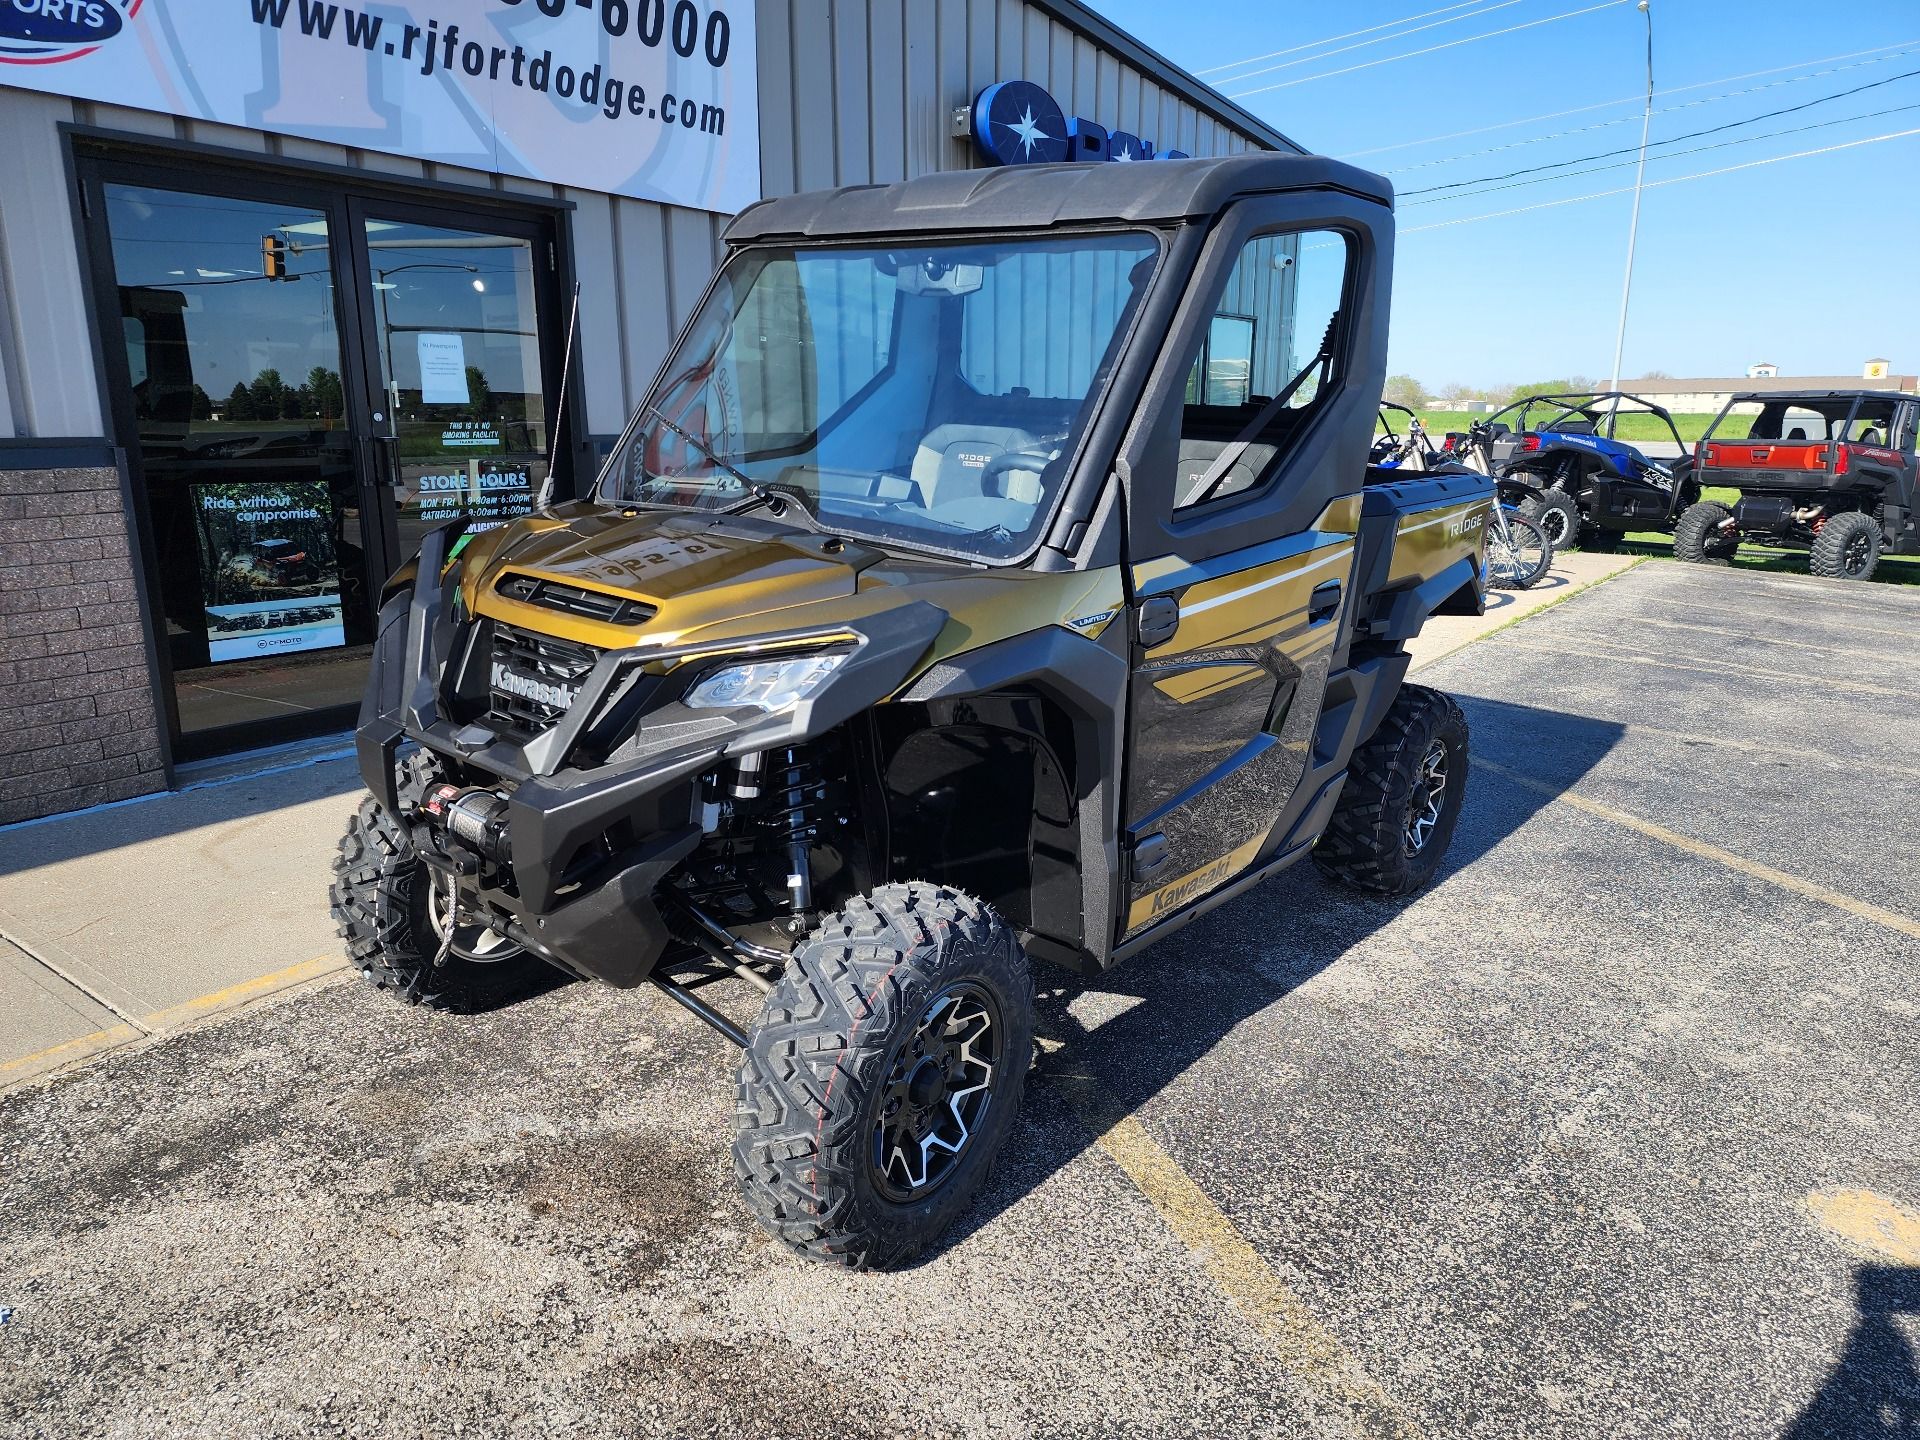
1865, 909
87, 1046
115, 1037
199, 1008
1303, 1345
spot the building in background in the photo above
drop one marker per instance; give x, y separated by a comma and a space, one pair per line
1709, 396
283, 285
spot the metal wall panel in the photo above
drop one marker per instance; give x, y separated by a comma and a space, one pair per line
852, 92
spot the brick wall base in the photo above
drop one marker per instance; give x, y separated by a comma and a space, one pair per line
78, 720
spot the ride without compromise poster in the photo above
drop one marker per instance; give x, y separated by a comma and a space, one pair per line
656, 99
269, 570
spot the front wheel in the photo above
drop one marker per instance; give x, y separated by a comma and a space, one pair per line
1701, 536
1518, 551
883, 1076
1848, 547
1397, 812
403, 925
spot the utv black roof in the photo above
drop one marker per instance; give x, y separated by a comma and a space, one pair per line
1034, 196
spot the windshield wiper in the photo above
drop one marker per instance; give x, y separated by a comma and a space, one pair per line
704, 448
778, 503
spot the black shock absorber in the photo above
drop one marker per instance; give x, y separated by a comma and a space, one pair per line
793, 789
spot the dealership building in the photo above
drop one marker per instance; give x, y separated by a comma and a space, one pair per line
284, 284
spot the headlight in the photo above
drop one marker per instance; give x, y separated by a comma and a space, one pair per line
769, 685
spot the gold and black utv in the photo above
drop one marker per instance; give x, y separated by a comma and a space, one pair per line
992, 574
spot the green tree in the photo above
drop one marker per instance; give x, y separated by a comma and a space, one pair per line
479, 394
202, 404
326, 397
269, 391
239, 404
1407, 391
293, 404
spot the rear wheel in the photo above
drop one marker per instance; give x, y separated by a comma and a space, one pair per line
403, 926
1558, 516
1848, 547
883, 1076
1700, 539
1398, 809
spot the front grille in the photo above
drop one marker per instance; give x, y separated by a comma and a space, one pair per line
571, 599
534, 679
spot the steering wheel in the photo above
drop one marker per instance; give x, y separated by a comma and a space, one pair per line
1033, 460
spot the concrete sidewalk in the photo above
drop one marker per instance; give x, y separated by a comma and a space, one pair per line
136, 919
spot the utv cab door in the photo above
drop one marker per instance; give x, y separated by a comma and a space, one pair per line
1243, 512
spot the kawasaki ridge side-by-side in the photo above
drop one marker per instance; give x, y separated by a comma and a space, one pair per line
993, 574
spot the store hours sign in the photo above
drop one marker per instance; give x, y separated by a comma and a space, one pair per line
657, 99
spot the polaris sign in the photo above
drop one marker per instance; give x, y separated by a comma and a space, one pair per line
1018, 123
44, 32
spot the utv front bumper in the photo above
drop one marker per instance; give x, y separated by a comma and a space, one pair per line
597, 809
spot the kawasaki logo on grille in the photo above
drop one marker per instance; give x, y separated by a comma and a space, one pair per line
526, 687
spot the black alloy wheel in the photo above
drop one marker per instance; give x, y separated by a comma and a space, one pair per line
936, 1093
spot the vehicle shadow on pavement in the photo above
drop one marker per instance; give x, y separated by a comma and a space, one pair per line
1874, 1390
1155, 1017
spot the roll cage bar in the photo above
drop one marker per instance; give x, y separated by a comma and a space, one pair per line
1589, 405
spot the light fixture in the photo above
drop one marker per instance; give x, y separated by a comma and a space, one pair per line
480, 285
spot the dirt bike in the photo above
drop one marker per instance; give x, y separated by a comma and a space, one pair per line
1519, 554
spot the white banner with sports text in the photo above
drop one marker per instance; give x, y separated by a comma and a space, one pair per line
656, 99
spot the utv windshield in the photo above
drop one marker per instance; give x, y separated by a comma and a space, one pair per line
928, 393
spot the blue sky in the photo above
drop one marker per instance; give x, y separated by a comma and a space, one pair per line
1807, 263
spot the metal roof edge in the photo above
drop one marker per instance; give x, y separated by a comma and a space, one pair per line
1078, 17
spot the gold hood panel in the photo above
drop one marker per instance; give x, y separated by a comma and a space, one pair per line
714, 586
692, 573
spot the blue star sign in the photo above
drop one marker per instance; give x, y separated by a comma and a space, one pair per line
1018, 123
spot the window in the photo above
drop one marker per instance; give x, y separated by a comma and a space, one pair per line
933, 392
1269, 355
1871, 423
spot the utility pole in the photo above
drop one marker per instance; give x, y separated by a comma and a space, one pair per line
1633, 230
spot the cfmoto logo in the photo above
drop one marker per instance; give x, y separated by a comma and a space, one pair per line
45, 32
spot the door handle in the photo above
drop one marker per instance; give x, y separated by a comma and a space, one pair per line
1159, 618
1324, 601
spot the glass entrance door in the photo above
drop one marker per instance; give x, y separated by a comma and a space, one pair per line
307, 380
233, 399
459, 394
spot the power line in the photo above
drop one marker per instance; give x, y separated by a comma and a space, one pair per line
1377, 40
1674, 139
1637, 96
1697, 150
1431, 49
1656, 184
1333, 39
1663, 110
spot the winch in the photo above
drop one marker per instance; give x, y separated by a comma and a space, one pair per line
473, 818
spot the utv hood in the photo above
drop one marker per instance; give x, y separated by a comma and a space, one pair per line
683, 572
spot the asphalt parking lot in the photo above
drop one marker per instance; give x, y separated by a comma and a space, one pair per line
1609, 1133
